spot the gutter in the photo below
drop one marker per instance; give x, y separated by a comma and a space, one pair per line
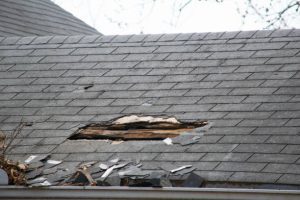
94, 192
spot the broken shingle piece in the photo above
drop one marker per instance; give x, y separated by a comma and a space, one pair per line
104, 166
52, 163
180, 168
188, 142
50, 170
36, 180
54, 178
186, 139
165, 182
110, 170
101, 182
133, 171
185, 171
115, 160
64, 172
193, 180
36, 158
137, 182
45, 183
95, 169
110, 181
30, 159
155, 179
205, 128
166, 166
168, 141
81, 178
35, 165
107, 172
87, 164
114, 181
97, 175
33, 174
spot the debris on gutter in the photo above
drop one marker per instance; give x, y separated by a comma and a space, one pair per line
135, 127
171, 193
193, 181
42, 171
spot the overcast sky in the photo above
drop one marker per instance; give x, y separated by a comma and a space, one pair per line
164, 16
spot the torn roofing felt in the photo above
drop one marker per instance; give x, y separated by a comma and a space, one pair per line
137, 128
245, 84
39, 17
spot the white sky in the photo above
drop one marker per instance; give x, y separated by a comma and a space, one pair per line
163, 16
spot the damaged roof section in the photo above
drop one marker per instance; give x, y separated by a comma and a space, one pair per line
137, 128
246, 83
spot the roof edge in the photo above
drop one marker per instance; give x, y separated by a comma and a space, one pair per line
94, 192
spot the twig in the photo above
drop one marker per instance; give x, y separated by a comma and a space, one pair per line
250, 3
184, 5
275, 19
15, 133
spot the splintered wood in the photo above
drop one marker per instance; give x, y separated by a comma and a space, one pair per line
137, 128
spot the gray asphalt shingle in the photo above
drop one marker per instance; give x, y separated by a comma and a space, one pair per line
234, 80
29, 18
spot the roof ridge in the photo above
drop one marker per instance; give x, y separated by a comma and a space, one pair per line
166, 37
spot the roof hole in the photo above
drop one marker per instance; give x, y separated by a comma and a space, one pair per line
28, 124
137, 128
88, 86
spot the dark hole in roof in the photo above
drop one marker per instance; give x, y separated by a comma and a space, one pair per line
137, 128
88, 87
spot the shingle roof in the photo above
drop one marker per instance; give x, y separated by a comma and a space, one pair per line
39, 17
246, 83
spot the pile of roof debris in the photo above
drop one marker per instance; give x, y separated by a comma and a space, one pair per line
42, 171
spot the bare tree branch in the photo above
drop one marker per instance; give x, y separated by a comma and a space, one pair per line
14, 135
272, 19
184, 5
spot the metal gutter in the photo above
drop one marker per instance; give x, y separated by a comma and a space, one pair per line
94, 192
